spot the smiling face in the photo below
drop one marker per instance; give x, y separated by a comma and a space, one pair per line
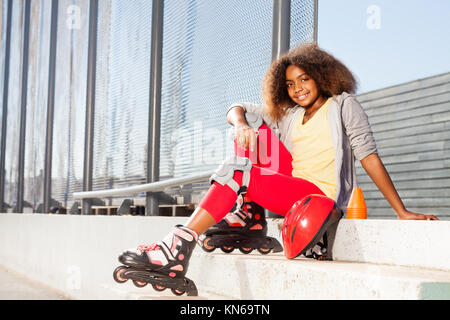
302, 89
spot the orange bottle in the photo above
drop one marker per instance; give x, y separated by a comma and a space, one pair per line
356, 208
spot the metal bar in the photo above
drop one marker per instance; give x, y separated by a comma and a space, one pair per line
281, 28
23, 107
148, 187
90, 106
316, 19
50, 109
281, 36
5, 106
154, 128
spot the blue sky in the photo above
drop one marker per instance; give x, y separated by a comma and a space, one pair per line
395, 42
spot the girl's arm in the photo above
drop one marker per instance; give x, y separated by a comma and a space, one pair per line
377, 172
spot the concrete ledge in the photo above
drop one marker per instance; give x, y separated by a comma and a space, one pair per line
424, 244
273, 277
77, 255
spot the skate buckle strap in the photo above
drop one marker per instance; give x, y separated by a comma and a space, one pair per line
235, 218
185, 233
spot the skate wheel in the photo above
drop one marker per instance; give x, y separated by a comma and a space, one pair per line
245, 250
118, 272
227, 249
139, 284
264, 250
177, 292
205, 245
158, 287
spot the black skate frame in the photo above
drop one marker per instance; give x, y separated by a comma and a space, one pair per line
239, 240
160, 279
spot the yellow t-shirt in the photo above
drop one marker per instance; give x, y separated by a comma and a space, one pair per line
313, 151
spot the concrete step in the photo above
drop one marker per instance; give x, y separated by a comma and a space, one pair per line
424, 244
128, 291
373, 259
272, 276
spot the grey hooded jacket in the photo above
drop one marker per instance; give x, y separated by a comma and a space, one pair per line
350, 130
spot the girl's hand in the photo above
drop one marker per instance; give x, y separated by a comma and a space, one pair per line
408, 215
245, 137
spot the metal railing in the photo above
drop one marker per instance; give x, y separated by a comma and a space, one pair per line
147, 187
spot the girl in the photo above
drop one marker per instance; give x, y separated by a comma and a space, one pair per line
308, 100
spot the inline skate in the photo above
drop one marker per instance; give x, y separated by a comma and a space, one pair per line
163, 264
245, 228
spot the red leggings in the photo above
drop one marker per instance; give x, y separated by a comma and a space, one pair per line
272, 185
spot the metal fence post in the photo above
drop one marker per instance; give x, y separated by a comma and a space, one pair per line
154, 129
23, 107
50, 109
281, 39
316, 19
90, 106
5, 106
281, 32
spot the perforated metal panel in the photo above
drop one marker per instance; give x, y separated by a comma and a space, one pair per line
37, 98
214, 53
14, 95
3, 18
302, 22
70, 99
122, 93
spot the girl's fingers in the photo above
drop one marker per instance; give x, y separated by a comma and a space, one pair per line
241, 141
246, 138
252, 140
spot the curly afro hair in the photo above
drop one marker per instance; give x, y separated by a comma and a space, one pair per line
331, 76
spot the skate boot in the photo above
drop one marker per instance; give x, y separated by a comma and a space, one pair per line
320, 250
163, 264
244, 228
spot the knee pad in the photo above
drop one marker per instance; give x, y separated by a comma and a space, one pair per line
306, 223
224, 174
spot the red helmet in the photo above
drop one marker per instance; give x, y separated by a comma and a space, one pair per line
306, 223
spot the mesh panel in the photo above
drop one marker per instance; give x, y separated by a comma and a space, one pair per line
214, 53
302, 22
70, 99
14, 95
122, 93
37, 102
3, 18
